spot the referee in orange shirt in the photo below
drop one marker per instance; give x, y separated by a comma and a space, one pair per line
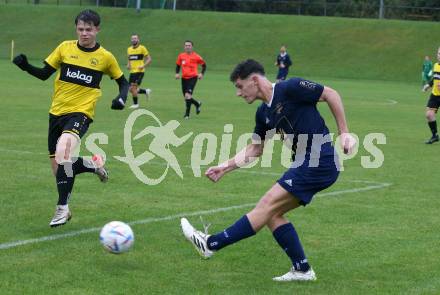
189, 61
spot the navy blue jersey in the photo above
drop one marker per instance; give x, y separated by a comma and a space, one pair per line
293, 112
284, 60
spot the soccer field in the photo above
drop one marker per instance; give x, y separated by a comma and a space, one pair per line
374, 231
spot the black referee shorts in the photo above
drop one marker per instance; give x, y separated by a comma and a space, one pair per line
188, 85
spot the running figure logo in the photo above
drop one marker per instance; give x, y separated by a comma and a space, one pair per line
163, 138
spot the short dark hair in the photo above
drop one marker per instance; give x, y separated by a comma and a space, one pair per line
245, 69
189, 42
88, 16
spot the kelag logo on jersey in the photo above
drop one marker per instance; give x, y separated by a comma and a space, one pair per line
135, 56
80, 75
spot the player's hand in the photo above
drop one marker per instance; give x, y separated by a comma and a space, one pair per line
128, 67
426, 87
118, 103
200, 76
21, 62
141, 67
177, 76
215, 173
348, 142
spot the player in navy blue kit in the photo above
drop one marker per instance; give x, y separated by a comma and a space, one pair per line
290, 109
283, 63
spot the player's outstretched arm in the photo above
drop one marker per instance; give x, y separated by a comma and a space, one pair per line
334, 101
119, 102
428, 85
41, 73
244, 157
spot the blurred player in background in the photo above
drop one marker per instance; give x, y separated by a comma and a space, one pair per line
283, 63
80, 64
426, 71
434, 100
138, 59
189, 61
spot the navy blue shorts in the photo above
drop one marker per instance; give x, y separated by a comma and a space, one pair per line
304, 182
282, 74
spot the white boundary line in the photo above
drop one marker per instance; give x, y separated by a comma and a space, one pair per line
9, 245
372, 185
391, 101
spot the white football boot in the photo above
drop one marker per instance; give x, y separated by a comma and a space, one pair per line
134, 106
148, 92
197, 238
62, 215
296, 275
100, 170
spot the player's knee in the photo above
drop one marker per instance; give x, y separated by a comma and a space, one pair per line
65, 146
62, 155
133, 89
430, 115
265, 205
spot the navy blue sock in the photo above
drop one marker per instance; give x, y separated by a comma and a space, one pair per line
288, 240
142, 91
135, 100
240, 230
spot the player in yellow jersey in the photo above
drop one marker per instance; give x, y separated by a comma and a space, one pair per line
434, 100
80, 65
138, 59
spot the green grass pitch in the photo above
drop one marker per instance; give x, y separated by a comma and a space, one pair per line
377, 241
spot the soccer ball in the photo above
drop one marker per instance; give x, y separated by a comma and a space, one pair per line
116, 237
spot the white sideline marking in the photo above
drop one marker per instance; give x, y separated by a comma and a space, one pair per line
3, 246
391, 101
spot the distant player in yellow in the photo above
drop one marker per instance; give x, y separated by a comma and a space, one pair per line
138, 59
434, 100
80, 64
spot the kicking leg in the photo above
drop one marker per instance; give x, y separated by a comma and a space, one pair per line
271, 203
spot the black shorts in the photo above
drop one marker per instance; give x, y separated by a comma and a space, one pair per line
188, 85
136, 78
433, 102
74, 123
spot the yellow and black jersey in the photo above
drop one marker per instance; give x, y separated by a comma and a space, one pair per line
80, 73
136, 57
436, 79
